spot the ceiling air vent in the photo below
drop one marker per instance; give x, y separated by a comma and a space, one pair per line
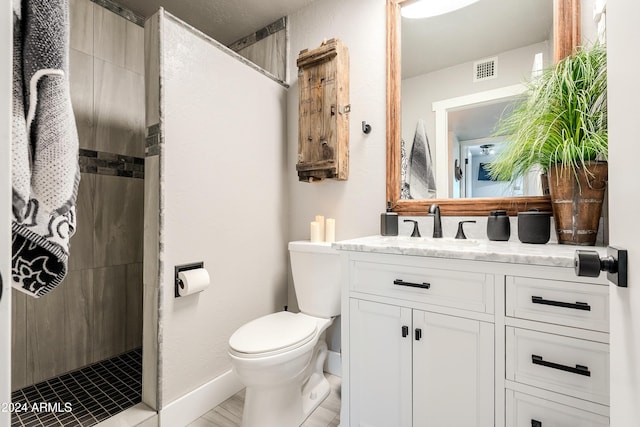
485, 69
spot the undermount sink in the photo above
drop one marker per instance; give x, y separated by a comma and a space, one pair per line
448, 241
430, 241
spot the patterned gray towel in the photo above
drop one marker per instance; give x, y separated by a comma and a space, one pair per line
422, 184
45, 169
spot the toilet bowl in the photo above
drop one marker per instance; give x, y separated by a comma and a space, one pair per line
280, 357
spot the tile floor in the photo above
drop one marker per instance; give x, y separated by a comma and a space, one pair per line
83, 397
229, 412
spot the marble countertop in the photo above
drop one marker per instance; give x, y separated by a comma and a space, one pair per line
550, 254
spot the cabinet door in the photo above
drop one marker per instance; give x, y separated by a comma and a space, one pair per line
380, 365
453, 371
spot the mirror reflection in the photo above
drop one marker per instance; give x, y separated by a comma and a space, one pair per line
460, 72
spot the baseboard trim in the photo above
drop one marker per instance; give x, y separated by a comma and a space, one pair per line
193, 405
333, 364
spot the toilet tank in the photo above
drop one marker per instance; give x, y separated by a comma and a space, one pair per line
316, 278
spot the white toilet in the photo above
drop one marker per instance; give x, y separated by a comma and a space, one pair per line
279, 357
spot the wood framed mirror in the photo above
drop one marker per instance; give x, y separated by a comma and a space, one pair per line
566, 30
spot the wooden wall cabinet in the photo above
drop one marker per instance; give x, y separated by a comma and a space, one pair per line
323, 105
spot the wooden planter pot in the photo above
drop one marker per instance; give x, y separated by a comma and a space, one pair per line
577, 200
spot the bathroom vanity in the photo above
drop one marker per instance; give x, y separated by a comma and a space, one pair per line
444, 332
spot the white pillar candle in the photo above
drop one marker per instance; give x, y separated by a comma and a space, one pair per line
315, 231
320, 221
330, 230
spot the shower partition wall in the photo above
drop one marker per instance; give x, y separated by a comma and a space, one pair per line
216, 150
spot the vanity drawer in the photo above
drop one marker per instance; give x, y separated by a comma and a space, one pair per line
458, 289
566, 365
574, 304
529, 411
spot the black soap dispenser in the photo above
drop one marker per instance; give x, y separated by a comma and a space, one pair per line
389, 222
498, 226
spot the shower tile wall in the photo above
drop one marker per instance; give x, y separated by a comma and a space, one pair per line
266, 48
96, 313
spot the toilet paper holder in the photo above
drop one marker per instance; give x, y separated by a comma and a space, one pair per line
184, 267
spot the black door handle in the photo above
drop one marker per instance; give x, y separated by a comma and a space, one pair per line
405, 331
589, 264
576, 305
579, 369
0, 286
536, 423
418, 334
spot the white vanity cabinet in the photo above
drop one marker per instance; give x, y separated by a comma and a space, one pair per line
483, 334
557, 352
421, 343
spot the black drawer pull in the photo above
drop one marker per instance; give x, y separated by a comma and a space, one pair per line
577, 305
536, 423
418, 334
405, 331
579, 369
422, 285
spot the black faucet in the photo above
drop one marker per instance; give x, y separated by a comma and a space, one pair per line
416, 231
460, 234
434, 210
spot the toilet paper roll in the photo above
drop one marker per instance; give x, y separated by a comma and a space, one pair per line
192, 281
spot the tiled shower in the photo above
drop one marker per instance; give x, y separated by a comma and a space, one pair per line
86, 335
96, 313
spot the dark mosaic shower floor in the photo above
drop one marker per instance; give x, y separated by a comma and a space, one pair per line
81, 398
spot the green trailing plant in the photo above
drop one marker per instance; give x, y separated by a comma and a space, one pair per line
561, 118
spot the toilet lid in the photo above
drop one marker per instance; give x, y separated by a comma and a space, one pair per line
273, 332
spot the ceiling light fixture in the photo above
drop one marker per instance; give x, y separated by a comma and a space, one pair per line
487, 150
429, 8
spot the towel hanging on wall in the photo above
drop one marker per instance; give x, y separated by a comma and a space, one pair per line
421, 182
45, 171
404, 169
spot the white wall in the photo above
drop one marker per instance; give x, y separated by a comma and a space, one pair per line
223, 202
356, 203
624, 152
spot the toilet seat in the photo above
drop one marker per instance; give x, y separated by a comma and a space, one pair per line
273, 334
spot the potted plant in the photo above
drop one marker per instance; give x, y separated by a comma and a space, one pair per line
560, 126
